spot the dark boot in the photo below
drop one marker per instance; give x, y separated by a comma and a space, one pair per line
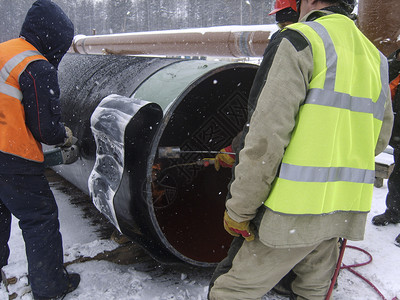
73, 283
397, 241
3, 278
385, 219
74, 280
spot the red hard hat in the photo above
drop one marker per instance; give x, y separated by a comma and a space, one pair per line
282, 4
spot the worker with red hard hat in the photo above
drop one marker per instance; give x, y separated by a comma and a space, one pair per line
285, 12
305, 170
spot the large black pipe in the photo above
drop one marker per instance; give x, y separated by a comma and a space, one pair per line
174, 210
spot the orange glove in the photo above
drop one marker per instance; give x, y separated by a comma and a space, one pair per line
224, 160
238, 229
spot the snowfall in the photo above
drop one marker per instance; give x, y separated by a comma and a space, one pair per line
146, 279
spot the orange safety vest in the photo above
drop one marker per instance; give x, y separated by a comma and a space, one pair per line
394, 85
15, 137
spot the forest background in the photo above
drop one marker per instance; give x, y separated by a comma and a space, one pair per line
118, 16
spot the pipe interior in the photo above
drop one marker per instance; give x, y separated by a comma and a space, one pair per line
189, 200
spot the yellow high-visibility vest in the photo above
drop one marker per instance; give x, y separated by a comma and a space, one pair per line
15, 136
329, 164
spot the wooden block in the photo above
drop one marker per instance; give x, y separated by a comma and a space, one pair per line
382, 171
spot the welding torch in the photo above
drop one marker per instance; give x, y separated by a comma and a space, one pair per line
176, 152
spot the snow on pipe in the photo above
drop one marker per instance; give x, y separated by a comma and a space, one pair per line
225, 41
123, 109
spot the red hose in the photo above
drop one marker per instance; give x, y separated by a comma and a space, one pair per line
336, 274
349, 267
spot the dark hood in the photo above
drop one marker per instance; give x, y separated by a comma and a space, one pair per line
49, 29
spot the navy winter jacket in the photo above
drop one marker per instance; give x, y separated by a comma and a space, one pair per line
51, 32
394, 71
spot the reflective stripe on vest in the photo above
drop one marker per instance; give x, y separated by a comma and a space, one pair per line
7, 69
329, 163
16, 138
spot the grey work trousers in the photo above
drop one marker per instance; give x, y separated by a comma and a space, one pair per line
257, 268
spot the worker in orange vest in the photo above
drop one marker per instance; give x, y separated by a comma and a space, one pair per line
30, 115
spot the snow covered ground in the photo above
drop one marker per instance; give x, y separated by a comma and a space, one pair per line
148, 280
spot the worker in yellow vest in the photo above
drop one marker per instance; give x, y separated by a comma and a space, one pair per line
305, 174
30, 115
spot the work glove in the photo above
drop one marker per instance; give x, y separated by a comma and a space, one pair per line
69, 140
238, 229
224, 160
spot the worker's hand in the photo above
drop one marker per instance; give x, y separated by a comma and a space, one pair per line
70, 139
224, 160
238, 229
